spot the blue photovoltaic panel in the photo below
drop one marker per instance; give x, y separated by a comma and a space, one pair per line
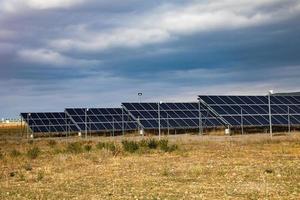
101, 119
172, 115
49, 122
254, 110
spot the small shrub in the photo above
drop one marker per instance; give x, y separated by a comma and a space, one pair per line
88, 147
143, 143
27, 167
21, 177
152, 143
163, 145
173, 147
110, 146
52, 143
58, 150
40, 175
74, 147
130, 146
12, 174
100, 145
15, 153
30, 141
33, 152
269, 171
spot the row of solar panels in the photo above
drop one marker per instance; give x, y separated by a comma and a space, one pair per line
254, 110
210, 111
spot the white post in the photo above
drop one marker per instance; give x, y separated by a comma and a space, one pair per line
86, 110
270, 114
168, 124
200, 117
123, 132
159, 131
289, 120
113, 127
27, 125
21, 127
140, 97
68, 121
242, 121
90, 127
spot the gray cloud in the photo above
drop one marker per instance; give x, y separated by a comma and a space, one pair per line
59, 54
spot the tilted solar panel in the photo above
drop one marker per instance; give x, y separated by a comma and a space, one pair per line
171, 115
101, 119
49, 122
254, 110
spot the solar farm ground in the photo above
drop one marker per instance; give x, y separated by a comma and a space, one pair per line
208, 167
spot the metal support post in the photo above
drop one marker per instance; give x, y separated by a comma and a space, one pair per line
242, 121
289, 119
270, 114
123, 132
159, 131
200, 118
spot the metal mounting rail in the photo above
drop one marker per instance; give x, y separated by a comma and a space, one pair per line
225, 122
130, 114
79, 129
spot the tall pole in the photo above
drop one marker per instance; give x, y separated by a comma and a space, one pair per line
123, 132
289, 119
270, 114
28, 125
113, 127
66, 127
159, 131
90, 127
21, 127
168, 124
86, 110
140, 97
200, 117
27, 129
242, 121
138, 124
68, 130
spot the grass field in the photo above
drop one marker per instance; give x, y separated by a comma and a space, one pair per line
200, 167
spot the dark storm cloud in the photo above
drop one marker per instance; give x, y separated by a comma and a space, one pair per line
56, 54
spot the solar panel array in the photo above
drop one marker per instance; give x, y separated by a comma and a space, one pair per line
49, 122
254, 110
101, 119
171, 115
212, 111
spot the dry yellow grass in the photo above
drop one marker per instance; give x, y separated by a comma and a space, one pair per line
208, 167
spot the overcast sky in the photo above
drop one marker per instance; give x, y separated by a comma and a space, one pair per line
95, 53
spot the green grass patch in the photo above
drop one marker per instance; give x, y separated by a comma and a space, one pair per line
74, 147
130, 146
15, 153
88, 147
33, 153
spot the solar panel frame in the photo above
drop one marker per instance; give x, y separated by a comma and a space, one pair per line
254, 109
101, 119
48, 122
173, 115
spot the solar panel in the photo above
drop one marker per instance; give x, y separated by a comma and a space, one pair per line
254, 110
101, 119
171, 115
49, 122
